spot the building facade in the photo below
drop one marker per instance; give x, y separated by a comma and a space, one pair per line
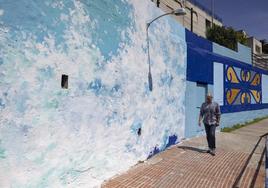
264, 46
198, 17
259, 58
255, 45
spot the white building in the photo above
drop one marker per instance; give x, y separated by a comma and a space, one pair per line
255, 45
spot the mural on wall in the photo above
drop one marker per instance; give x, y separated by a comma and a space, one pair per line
237, 85
242, 86
107, 119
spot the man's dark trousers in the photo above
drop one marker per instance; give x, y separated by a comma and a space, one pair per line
210, 131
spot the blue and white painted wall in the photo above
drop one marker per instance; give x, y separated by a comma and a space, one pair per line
107, 119
80, 136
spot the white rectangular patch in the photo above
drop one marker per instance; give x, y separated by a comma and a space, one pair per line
264, 87
218, 91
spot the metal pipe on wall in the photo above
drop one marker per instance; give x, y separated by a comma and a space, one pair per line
212, 12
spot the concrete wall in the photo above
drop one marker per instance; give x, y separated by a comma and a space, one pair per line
199, 20
230, 119
253, 44
242, 54
107, 120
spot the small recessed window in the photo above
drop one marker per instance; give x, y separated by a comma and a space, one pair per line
64, 81
139, 131
208, 24
258, 49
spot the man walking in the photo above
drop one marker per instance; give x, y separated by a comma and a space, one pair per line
210, 113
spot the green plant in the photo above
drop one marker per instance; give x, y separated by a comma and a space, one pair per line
227, 37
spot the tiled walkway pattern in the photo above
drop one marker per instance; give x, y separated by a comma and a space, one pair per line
186, 165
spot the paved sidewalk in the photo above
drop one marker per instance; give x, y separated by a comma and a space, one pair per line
239, 162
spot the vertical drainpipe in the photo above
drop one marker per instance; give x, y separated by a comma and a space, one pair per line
192, 19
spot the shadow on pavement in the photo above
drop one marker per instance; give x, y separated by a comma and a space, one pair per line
193, 149
235, 185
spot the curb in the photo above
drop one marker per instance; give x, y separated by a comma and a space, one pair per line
266, 164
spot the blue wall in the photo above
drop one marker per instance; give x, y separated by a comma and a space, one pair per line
242, 54
236, 85
230, 119
199, 63
193, 101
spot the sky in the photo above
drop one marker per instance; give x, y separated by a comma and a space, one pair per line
249, 15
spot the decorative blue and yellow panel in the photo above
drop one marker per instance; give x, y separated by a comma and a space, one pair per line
242, 86
237, 85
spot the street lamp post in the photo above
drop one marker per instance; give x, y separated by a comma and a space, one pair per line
212, 12
177, 12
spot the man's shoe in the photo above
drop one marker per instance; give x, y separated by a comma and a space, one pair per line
212, 152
